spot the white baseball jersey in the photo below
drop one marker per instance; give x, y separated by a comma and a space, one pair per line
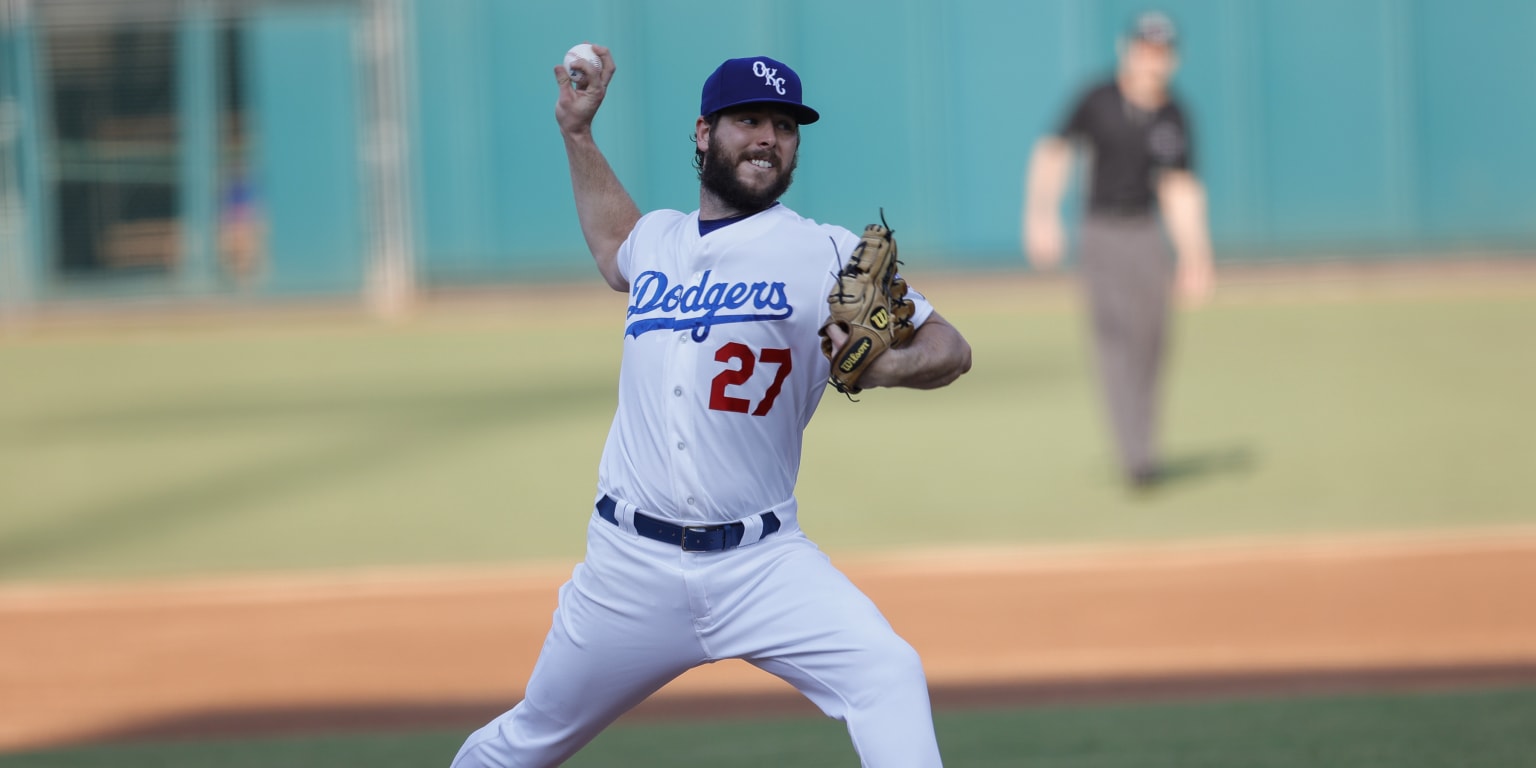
722, 365
722, 370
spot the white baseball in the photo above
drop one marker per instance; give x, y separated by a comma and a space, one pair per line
585, 53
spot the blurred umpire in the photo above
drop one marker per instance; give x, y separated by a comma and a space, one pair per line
1136, 140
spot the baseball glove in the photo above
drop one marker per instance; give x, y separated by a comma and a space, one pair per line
870, 304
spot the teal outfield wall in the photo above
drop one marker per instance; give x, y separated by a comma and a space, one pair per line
305, 87
1322, 126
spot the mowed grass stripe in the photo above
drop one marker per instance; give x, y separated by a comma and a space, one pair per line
466, 437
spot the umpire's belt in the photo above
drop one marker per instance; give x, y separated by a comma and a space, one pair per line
692, 538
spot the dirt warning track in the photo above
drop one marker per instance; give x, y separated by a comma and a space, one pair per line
421, 647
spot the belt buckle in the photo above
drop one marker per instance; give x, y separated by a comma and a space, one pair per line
700, 530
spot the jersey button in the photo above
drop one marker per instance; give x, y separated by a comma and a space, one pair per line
681, 445
690, 501
677, 391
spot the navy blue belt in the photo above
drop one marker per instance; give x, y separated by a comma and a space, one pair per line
692, 538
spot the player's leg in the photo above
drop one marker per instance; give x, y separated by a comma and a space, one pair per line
1103, 264
802, 620
1148, 283
621, 631
1126, 275
1153, 291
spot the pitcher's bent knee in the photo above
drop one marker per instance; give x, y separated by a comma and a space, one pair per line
893, 669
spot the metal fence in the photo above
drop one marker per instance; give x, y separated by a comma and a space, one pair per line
133, 151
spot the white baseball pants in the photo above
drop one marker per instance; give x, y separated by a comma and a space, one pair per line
637, 613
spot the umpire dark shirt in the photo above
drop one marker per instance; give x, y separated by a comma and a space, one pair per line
1129, 146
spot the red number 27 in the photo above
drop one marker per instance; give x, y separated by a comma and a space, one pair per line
719, 401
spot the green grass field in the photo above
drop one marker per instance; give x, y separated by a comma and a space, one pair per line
472, 437
181, 448
1487, 729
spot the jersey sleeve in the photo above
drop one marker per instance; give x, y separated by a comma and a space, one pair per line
921, 308
1079, 122
649, 223
1171, 144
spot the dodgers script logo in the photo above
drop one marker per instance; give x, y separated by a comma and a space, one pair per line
703, 305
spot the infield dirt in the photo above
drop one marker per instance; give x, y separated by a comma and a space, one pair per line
451, 648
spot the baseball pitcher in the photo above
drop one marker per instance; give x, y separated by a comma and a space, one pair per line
739, 315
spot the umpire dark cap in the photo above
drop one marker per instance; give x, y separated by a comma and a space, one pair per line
1155, 28
754, 80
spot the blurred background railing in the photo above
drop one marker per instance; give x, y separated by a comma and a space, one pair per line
258, 149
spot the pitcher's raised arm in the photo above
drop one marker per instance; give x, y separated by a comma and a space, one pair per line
606, 211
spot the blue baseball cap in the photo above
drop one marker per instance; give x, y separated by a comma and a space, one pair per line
1155, 28
753, 80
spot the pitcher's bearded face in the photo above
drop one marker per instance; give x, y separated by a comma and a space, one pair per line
751, 158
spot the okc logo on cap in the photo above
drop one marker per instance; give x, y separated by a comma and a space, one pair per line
755, 80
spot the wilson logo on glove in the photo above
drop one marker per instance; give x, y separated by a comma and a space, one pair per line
855, 355
880, 318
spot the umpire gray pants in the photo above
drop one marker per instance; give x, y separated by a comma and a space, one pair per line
1127, 273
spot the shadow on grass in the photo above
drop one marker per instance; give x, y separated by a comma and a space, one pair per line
1189, 467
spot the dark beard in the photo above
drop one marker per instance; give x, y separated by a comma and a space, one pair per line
719, 177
